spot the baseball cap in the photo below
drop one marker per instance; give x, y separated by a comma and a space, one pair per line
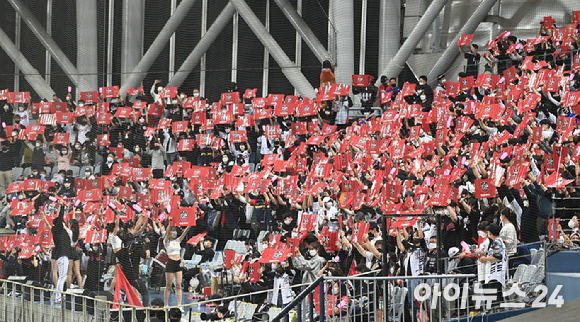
453, 251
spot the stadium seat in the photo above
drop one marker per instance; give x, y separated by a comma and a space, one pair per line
75, 170
538, 258
48, 172
16, 173
519, 273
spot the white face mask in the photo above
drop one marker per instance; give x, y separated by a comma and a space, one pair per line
482, 233
14, 133
227, 130
206, 244
287, 222
77, 147
225, 160
195, 94
110, 159
283, 264
173, 234
423, 97
141, 121
174, 102
312, 252
571, 224
67, 185
137, 149
34, 173
526, 203
182, 95
432, 246
81, 104
21, 108
65, 152
6, 107
20, 197
444, 81
42, 175
421, 83
87, 174
38, 144
159, 89
242, 147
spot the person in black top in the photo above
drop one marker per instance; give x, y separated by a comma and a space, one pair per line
472, 60
62, 249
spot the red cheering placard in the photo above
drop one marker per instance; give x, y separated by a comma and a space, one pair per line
358, 232
183, 216
484, 188
465, 40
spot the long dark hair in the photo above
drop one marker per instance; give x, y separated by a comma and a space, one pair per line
74, 227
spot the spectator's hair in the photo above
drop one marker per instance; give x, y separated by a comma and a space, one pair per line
483, 225
157, 302
315, 245
175, 313
475, 46
512, 38
362, 268
423, 77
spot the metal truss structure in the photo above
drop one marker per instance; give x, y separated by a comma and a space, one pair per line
419, 34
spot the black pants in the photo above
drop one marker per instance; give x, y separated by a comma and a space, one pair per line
499, 295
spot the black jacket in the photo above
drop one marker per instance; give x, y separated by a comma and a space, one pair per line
60, 237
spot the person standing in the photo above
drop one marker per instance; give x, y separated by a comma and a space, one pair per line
62, 249
495, 263
472, 60
173, 268
6, 165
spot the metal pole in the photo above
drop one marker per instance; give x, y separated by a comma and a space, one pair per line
343, 11
202, 62
298, 50
17, 33
295, 18
87, 53
468, 28
139, 72
110, 42
266, 62
132, 37
172, 44
389, 35
293, 74
45, 39
30, 73
397, 63
202, 46
363, 37
235, 37
48, 58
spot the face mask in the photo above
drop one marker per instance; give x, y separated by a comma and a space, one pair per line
87, 174
571, 224
141, 121
20, 197
242, 147
182, 95
195, 94
173, 234
312, 252
421, 83
227, 130
137, 149
329, 204
34, 173
64, 152
67, 185
174, 102
287, 222
42, 175
114, 101
38, 145
482, 234
81, 105
159, 89
225, 160
6, 107
283, 264
526, 203
206, 244
432, 246
423, 97
14, 133
444, 81
110, 159
21, 109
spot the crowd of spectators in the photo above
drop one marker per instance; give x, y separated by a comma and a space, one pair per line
111, 180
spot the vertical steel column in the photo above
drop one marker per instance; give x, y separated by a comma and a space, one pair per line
235, 21
363, 38
110, 42
202, 63
172, 44
132, 37
468, 28
397, 63
298, 50
17, 34
202, 46
87, 53
389, 36
30, 74
343, 12
331, 33
134, 79
266, 64
436, 34
48, 59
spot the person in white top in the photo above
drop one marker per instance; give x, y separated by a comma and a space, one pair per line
173, 268
495, 263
